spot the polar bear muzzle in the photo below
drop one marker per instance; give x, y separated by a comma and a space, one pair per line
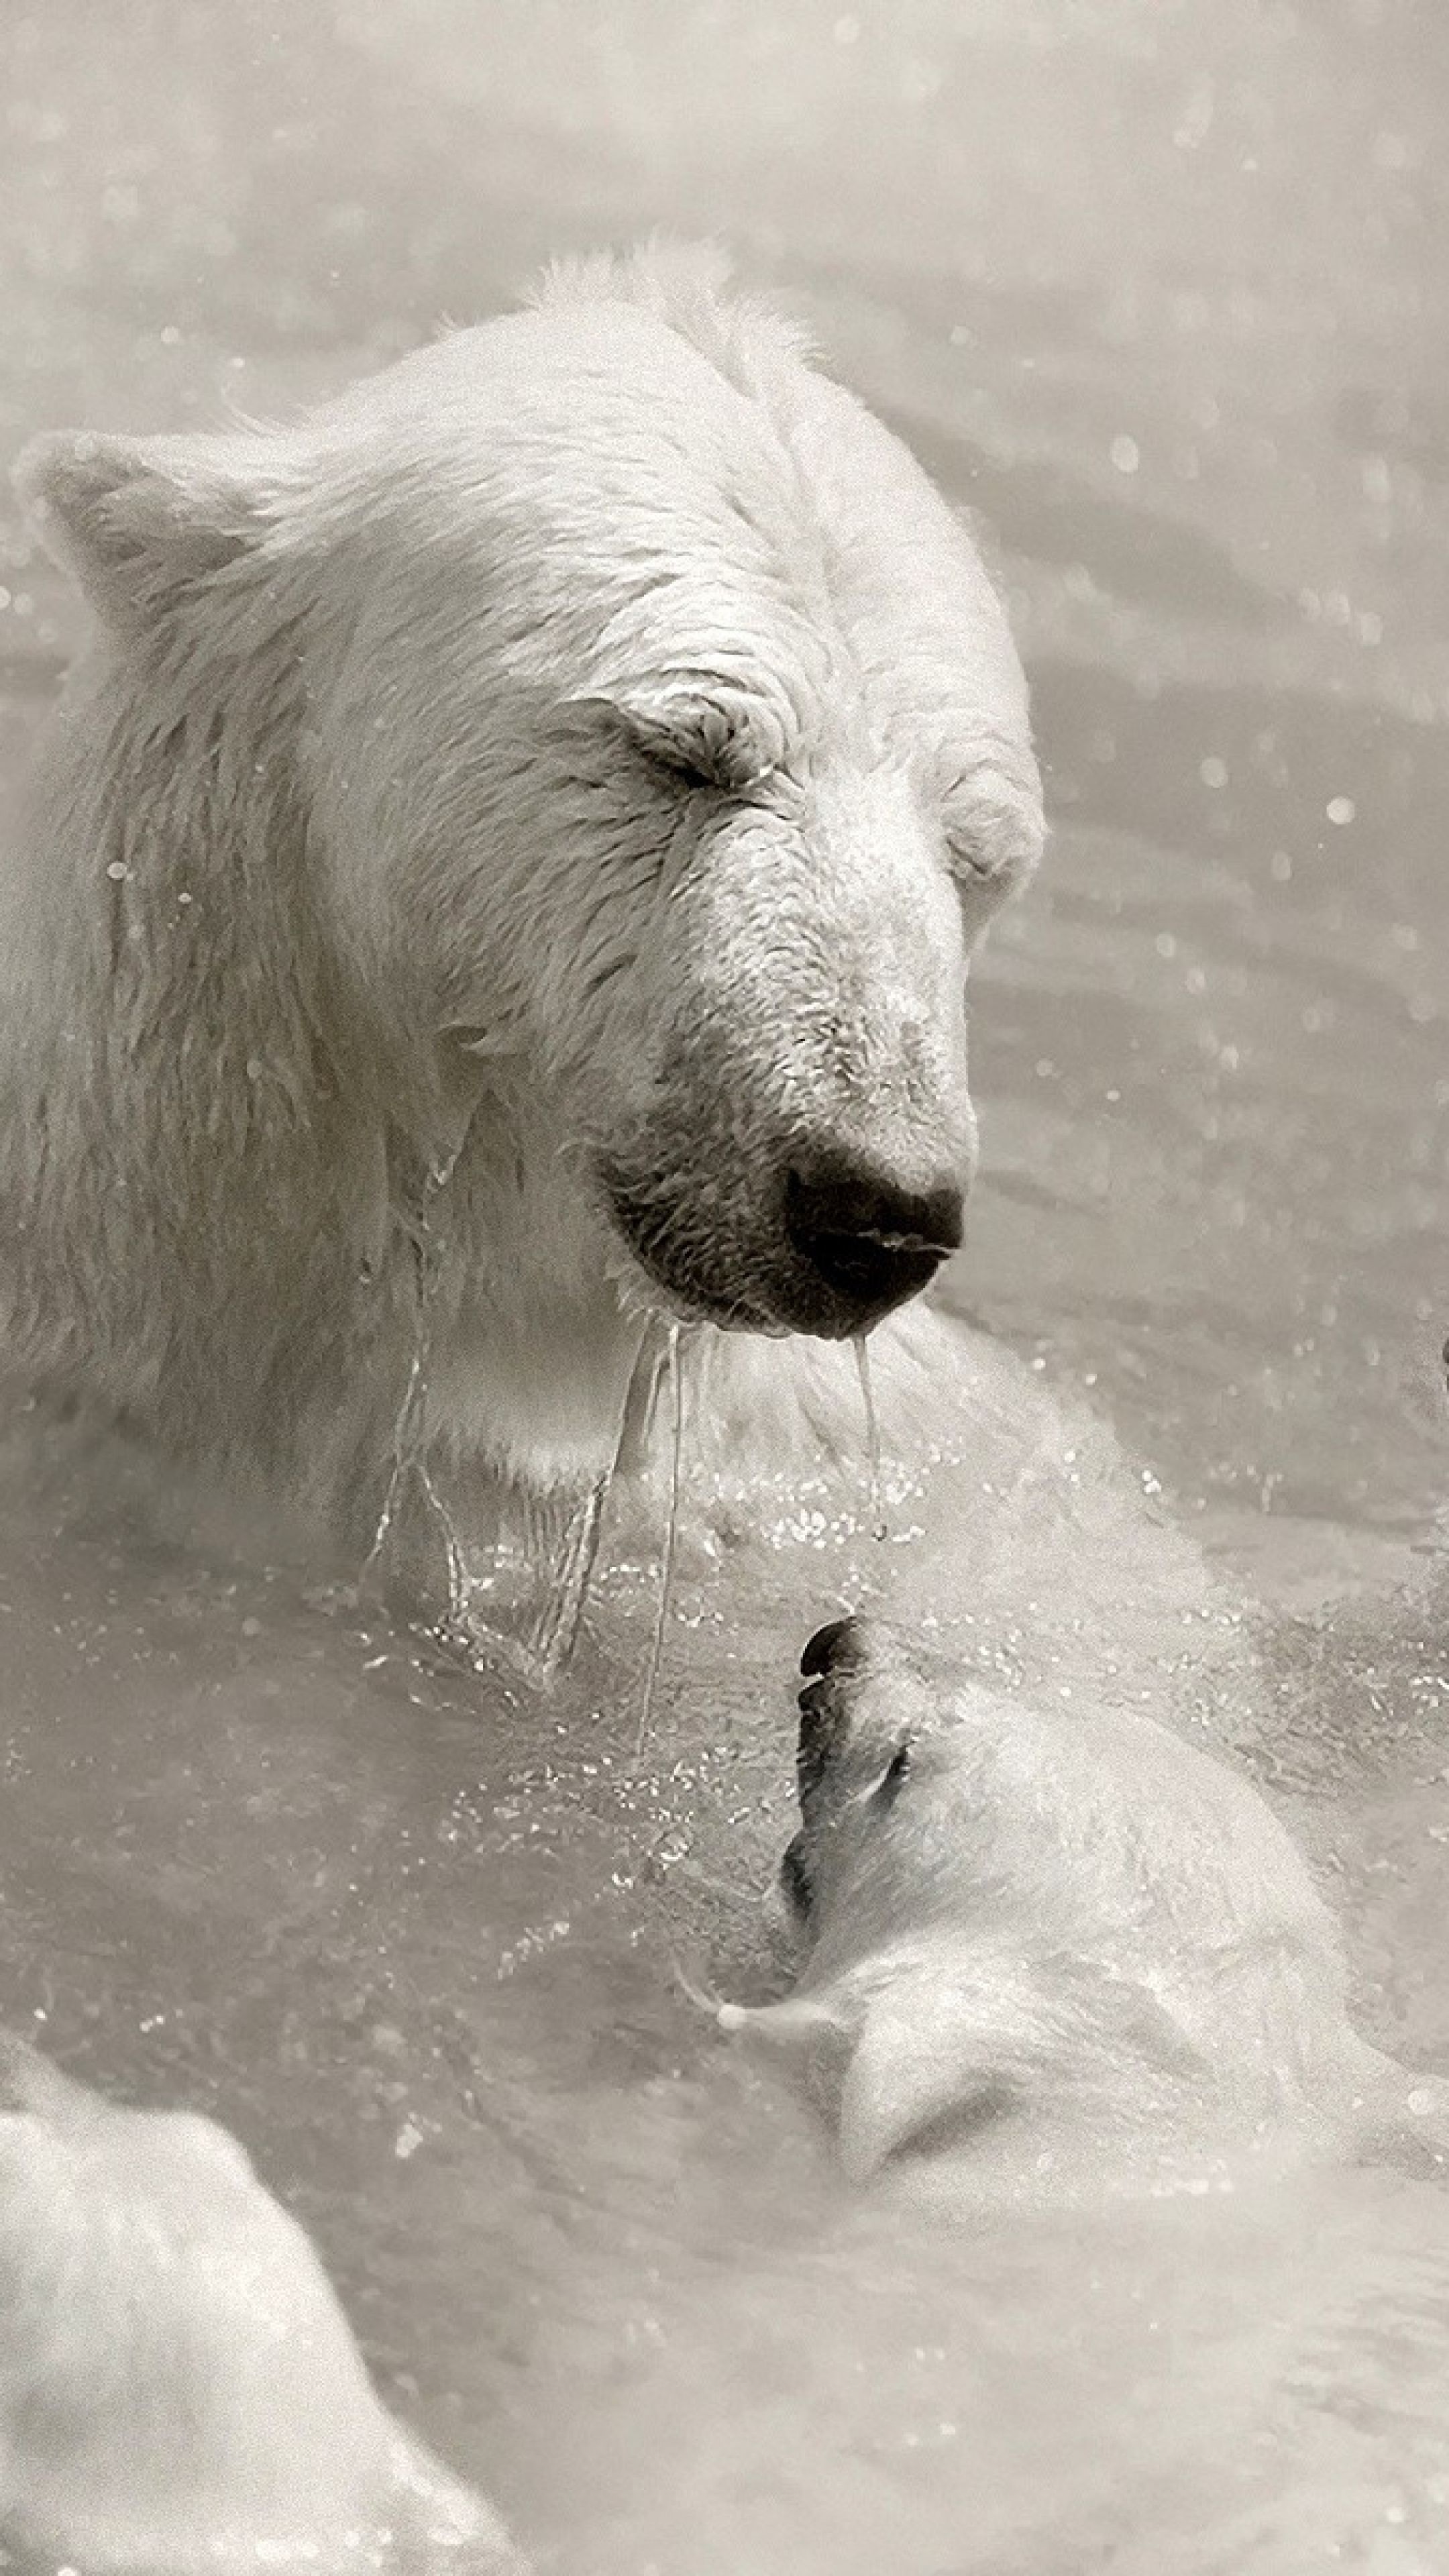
836, 1246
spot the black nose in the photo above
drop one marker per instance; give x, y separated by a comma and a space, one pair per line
821, 1649
822, 1716
869, 1243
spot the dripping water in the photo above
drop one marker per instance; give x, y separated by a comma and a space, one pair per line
666, 1568
409, 1454
560, 1540
555, 1632
874, 1490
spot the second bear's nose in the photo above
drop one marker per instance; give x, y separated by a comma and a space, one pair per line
822, 1649
870, 1243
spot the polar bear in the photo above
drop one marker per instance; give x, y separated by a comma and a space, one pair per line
506, 870
179, 2388
1054, 1957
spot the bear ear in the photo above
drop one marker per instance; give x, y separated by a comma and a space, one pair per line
708, 731
139, 521
920, 2065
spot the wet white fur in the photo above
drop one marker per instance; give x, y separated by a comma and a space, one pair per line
179, 2388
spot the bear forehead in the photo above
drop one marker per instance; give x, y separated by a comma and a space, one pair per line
712, 512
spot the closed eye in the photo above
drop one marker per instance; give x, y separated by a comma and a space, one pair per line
704, 737
993, 836
687, 763
971, 859
981, 854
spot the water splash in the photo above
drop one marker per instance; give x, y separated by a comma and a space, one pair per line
875, 1491
671, 1532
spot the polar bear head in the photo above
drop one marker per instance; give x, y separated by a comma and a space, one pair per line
606, 748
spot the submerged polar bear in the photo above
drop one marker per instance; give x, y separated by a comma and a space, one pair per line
179, 2388
1057, 1959
523, 827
